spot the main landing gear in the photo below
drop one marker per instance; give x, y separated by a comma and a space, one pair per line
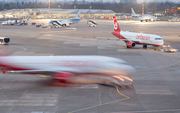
144, 46
155, 48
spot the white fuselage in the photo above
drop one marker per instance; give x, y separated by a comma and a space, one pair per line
145, 17
9, 22
71, 64
142, 38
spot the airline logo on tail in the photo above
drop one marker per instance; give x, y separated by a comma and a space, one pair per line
78, 15
133, 13
116, 26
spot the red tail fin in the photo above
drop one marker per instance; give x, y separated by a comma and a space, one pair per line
116, 25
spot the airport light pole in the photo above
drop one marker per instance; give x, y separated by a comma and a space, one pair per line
142, 7
49, 9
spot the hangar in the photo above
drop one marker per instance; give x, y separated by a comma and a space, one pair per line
43, 13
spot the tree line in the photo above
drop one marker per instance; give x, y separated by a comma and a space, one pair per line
116, 7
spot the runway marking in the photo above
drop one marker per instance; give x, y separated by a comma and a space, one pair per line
71, 28
32, 100
176, 70
156, 68
150, 111
55, 31
126, 97
160, 66
153, 92
48, 35
139, 66
24, 49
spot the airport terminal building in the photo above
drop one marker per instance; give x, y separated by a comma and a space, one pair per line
42, 13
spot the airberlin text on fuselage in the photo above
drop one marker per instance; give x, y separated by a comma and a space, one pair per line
140, 37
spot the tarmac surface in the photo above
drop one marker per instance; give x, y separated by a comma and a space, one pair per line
156, 80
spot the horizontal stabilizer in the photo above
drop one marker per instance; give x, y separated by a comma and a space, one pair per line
163, 36
107, 38
107, 32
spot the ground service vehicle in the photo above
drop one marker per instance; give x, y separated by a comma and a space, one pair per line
4, 40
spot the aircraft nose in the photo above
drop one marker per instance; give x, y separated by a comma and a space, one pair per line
162, 42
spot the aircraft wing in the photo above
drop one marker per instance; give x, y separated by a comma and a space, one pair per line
107, 38
45, 72
125, 40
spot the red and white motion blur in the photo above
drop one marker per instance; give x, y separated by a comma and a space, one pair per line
67, 68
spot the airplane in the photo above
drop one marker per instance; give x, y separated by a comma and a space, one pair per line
142, 18
12, 22
65, 22
133, 38
24, 20
66, 69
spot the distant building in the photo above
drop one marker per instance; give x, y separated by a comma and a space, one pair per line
174, 10
128, 1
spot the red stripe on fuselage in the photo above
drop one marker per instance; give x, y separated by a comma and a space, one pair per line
147, 44
118, 35
11, 67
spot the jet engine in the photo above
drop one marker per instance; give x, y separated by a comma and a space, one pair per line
63, 77
130, 44
65, 25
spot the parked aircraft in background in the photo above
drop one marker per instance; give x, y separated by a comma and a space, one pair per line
67, 69
142, 18
65, 22
13, 22
132, 38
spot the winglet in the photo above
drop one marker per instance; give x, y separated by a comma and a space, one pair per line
164, 36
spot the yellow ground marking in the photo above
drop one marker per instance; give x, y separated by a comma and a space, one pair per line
48, 35
43, 75
126, 97
155, 68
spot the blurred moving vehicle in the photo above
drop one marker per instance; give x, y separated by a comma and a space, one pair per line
71, 69
41, 25
133, 38
65, 22
33, 23
4, 40
16, 22
91, 23
142, 17
168, 48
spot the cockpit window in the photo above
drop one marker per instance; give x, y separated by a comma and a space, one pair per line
158, 38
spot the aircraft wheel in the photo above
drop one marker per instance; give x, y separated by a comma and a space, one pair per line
145, 46
141, 20
128, 47
64, 25
146, 20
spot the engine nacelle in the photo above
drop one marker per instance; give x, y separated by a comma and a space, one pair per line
63, 77
130, 44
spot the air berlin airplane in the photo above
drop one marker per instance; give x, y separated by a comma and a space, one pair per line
132, 38
65, 68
